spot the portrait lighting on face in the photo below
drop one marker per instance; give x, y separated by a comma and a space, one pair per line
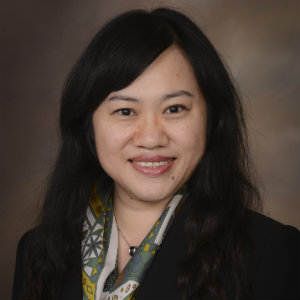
151, 135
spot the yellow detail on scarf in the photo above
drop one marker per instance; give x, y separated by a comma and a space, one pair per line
88, 287
146, 248
96, 203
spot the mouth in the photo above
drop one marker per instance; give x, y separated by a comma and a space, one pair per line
154, 165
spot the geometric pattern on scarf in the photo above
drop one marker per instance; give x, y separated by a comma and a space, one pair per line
100, 247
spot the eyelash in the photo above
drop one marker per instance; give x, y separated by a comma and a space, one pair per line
125, 112
178, 108
122, 110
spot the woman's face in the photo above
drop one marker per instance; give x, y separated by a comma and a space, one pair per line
151, 135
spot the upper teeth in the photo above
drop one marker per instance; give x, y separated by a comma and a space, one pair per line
152, 164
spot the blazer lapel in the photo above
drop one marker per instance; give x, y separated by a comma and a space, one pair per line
160, 281
71, 287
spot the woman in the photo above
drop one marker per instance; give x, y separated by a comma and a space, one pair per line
151, 196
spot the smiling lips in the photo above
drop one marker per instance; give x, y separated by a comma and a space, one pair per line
153, 165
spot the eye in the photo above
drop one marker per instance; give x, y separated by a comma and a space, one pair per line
175, 109
125, 112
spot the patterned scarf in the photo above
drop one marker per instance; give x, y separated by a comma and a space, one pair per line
100, 278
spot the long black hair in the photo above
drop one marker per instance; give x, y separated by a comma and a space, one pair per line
220, 187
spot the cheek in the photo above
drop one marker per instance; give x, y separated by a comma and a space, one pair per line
192, 138
110, 140
192, 134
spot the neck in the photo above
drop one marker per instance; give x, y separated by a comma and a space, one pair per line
135, 218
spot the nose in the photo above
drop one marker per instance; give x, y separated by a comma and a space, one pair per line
150, 133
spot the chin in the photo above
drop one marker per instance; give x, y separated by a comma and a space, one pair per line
154, 195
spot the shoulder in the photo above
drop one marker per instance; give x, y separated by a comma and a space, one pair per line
24, 240
19, 267
274, 258
273, 237
30, 259
24, 243
263, 225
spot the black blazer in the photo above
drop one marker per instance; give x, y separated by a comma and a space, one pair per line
273, 269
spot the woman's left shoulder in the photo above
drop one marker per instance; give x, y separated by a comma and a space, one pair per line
266, 231
274, 258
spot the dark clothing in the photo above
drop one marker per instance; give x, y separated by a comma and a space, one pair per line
273, 269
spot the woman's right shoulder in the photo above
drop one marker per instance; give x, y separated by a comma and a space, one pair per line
25, 238
23, 244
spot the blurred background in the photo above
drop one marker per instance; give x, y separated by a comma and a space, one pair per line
41, 40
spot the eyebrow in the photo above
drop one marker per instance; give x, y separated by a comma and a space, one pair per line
165, 97
178, 94
122, 97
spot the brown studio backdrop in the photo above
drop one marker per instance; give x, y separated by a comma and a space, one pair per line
41, 40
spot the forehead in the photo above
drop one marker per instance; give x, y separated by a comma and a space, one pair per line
170, 71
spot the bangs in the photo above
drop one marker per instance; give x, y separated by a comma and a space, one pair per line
124, 49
